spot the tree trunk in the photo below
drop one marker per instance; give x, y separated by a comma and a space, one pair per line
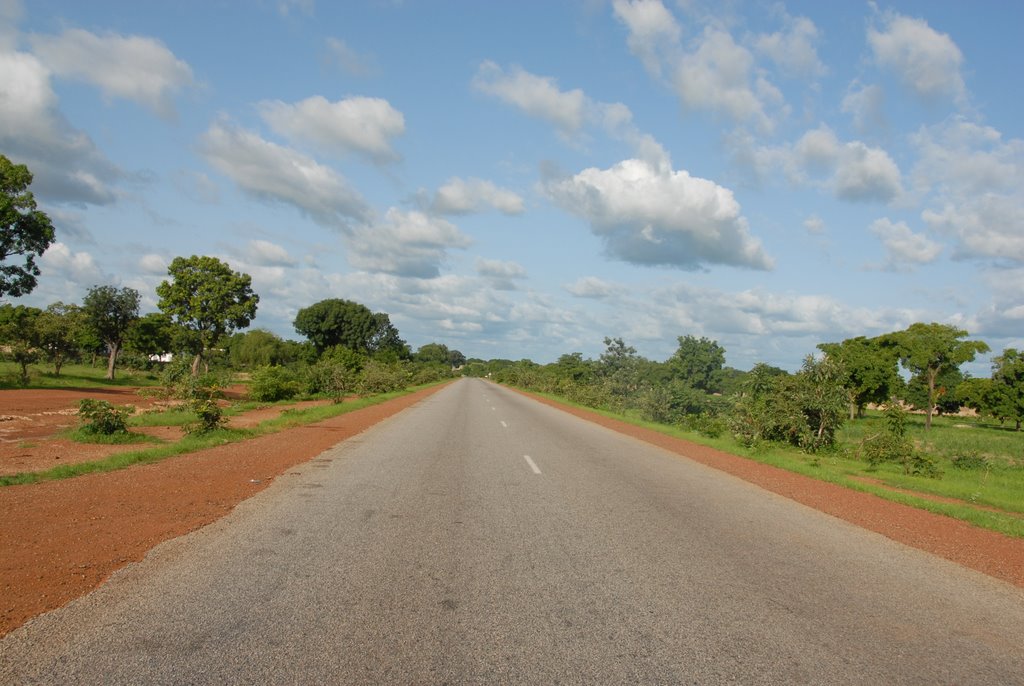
1018, 426
112, 360
195, 364
58, 362
931, 398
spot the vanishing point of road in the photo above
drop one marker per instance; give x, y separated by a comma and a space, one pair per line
481, 537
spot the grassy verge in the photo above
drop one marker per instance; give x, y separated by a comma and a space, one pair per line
195, 442
72, 376
998, 485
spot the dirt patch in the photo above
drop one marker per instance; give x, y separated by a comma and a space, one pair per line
980, 549
61, 539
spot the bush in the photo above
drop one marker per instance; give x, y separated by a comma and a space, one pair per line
329, 378
706, 424
969, 461
104, 418
381, 378
270, 384
209, 415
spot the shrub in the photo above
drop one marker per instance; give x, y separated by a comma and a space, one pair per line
104, 418
970, 460
706, 424
209, 416
270, 384
327, 377
380, 378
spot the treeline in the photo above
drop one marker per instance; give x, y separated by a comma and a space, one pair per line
694, 388
203, 306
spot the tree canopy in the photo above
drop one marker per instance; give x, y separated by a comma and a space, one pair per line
25, 231
207, 299
109, 311
336, 321
699, 362
869, 369
929, 349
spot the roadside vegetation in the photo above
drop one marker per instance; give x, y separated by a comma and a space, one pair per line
848, 415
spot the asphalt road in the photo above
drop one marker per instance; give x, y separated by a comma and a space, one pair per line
481, 537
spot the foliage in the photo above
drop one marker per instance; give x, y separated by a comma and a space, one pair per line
870, 370
18, 331
1007, 401
330, 378
209, 416
25, 231
270, 384
257, 348
57, 332
946, 397
102, 417
804, 410
929, 349
336, 321
109, 311
151, 334
208, 300
699, 363
894, 446
379, 377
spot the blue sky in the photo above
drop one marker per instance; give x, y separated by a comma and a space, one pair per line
523, 179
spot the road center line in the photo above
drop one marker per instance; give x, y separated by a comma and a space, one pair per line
533, 465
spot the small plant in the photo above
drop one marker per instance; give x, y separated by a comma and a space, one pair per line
707, 425
103, 418
209, 415
969, 461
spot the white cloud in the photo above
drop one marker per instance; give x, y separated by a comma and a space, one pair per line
719, 76
501, 275
357, 124
660, 217
285, 7
866, 104
274, 172
975, 179
342, 54
153, 264
77, 268
267, 254
867, 174
924, 59
593, 287
535, 95
136, 68
11, 12
411, 244
814, 225
66, 164
653, 31
463, 196
852, 170
793, 50
903, 247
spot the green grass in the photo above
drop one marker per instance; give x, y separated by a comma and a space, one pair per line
80, 435
999, 485
72, 376
194, 442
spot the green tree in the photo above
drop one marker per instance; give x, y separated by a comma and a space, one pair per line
929, 349
946, 398
18, 331
208, 300
58, 330
870, 370
25, 232
152, 334
336, 321
257, 348
432, 353
1008, 386
109, 312
698, 362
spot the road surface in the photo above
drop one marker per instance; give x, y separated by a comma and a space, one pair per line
481, 537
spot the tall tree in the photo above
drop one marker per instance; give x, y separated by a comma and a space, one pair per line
109, 311
1008, 385
18, 331
58, 330
929, 349
698, 362
25, 231
207, 299
151, 334
870, 373
336, 321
